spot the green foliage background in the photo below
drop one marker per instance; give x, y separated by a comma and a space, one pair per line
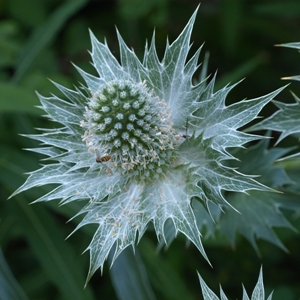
38, 40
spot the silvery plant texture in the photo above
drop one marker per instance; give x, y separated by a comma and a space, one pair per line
140, 142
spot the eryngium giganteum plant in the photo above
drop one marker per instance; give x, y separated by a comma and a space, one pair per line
123, 145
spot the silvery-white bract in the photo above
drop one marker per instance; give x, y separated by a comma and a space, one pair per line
124, 147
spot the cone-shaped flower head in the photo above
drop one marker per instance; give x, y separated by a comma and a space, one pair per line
139, 142
134, 129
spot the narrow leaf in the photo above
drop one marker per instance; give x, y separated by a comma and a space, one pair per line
54, 254
9, 287
43, 35
130, 278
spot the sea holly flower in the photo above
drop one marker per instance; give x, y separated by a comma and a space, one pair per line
257, 294
141, 141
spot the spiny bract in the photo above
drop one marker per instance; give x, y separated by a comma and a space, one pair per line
124, 147
257, 294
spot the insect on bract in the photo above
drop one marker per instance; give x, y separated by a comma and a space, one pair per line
102, 158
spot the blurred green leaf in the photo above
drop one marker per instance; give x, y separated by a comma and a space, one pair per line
9, 287
28, 17
231, 24
54, 254
43, 35
164, 276
287, 8
8, 43
135, 9
18, 99
129, 277
241, 71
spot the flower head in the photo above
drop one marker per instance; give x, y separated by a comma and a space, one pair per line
139, 142
134, 129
